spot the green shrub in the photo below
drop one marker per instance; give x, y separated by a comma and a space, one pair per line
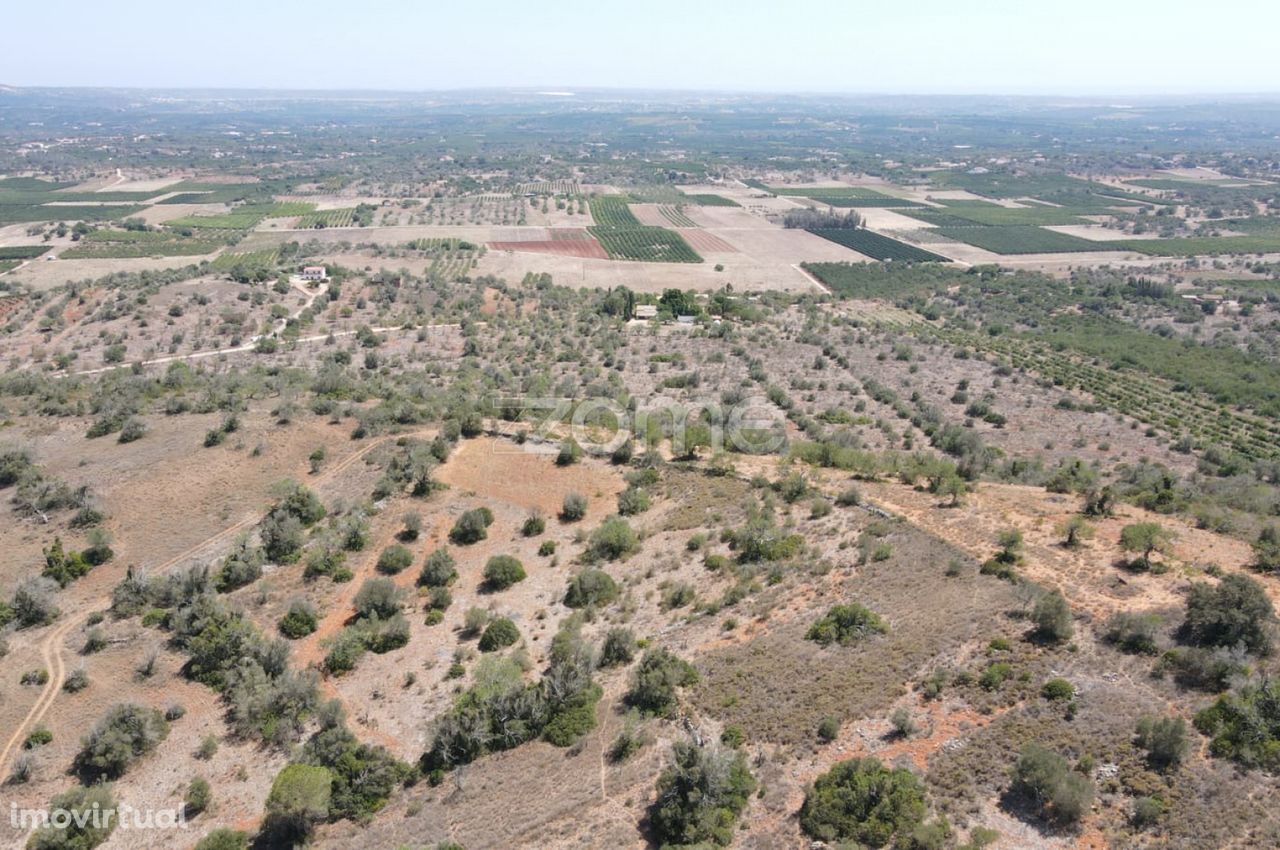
700, 797
573, 507
224, 839
471, 527
198, 796
846, 625
1164, 739
124, 734
1057, 689
534, 525
1235, 611
300, 620
378, 597
863, 801
439, 570
612, 540
1044, 777
502, 571
655, 681
591, 587
394, 559
632, 501
1244, 726
300, 797
499, 634
83, 832
1052, 618
618, 648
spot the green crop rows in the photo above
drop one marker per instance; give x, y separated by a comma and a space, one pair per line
713, 201
648, 244
1152, 402
879, 247
132, 250
625, 238
1020, 239
1193, 246
21, 213
22, 252
262, 259
612, 211
328, 218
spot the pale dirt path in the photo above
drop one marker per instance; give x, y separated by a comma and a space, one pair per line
51, 648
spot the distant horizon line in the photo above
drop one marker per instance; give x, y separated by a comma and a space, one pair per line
565, 92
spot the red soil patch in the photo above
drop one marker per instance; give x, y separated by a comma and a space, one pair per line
701, 240
588, 248
9, 305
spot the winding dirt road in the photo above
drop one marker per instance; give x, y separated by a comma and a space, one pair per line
52, 647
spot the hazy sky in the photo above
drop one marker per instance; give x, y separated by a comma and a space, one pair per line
974, 46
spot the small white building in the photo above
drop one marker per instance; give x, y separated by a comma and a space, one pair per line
646, 311
314, 273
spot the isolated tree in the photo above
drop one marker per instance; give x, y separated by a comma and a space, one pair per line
1075, 530
1052, 617
954, 486
1044, 777
299, 799
1164, 739
1144, 538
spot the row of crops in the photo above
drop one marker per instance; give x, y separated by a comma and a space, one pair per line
613, 211
704, 200
453, 261
958, 214
247, 259
676, 216
1019, 239
648, 244
245, 216
625, 238
1152, 402
29, 199
876, 246
1193, 246
550, 187
134, 250
22, 252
